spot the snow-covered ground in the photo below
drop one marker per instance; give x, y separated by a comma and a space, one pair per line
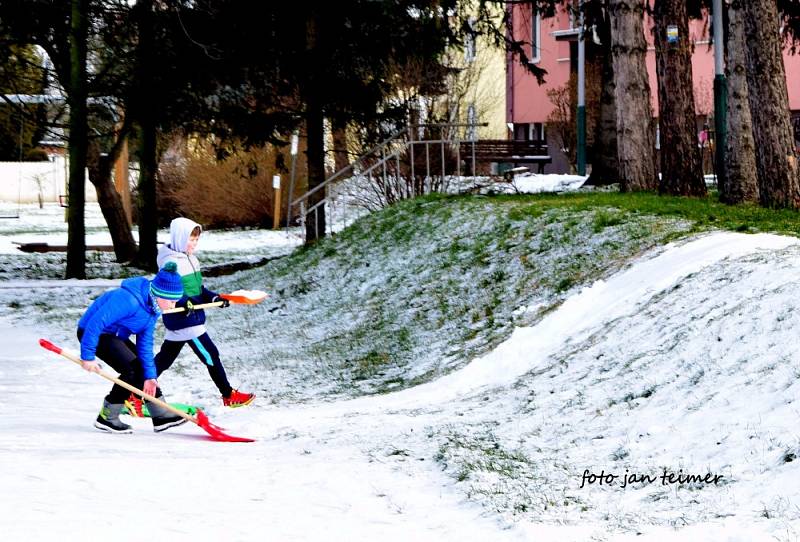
48, 225
533, 183
682, 360
64, 479
36, 225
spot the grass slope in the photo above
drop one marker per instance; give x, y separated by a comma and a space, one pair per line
421, 288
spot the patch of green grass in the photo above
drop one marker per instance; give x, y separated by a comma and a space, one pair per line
371, 363
706, 212
564, 284
604, 219
507, 481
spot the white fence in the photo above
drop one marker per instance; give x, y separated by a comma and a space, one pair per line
26, 182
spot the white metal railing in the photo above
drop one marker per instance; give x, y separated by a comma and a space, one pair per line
415, 160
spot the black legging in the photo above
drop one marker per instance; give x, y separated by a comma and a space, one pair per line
120, 354
205, 349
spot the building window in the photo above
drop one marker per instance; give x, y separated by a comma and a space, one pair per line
529, 131
536, 34
536, 131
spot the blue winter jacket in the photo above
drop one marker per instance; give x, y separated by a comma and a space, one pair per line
124, 311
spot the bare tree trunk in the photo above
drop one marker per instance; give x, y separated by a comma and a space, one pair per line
315, 222
740, 180
148, 207
769, 107
341, 158
315, 151
635, 137
148, 162
605, 168
111, 204
681, 165
78, 135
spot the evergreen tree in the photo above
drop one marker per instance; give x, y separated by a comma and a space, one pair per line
320, 61
56, 27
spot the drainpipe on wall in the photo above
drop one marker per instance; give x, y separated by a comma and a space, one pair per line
510, 75
720, 91
581, 129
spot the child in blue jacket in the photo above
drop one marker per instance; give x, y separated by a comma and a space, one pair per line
104, 332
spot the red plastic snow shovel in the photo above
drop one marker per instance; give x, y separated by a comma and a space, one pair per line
250, 297
201, 419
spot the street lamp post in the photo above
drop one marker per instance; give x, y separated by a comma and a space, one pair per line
581, 128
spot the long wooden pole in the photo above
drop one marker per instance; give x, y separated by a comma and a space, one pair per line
75, 359
276, 215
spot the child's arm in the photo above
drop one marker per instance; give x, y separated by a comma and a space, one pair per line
144, 348
116, 307
208, 296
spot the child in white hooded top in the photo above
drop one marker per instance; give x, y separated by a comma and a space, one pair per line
188, 327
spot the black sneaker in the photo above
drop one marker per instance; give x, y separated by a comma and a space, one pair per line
111, 427
165, 422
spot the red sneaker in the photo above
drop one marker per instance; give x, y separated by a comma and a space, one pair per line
238, 399
134, 406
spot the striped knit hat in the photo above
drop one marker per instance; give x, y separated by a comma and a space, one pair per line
167, 283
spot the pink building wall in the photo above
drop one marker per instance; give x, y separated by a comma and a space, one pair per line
528, 101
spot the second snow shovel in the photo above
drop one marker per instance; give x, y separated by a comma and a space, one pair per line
200, 419
247, 297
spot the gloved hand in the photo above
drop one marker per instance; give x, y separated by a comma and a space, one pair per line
225, 302
188, 308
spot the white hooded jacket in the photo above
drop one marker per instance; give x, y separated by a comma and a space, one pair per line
189, 269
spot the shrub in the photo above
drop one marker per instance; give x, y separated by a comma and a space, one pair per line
36, 155
234, 191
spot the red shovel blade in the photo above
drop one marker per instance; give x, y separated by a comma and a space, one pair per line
215, 431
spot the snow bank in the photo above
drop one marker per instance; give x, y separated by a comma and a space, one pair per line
529, 348
535, 183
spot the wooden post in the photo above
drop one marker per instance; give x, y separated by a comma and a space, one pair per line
276, 218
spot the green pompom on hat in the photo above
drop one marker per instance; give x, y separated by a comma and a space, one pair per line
167, 283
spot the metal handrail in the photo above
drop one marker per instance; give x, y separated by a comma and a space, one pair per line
383, 160
350, 166
385, 142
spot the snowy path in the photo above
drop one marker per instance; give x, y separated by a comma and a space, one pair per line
60, 475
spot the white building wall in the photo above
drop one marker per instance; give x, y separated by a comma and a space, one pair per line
25, 181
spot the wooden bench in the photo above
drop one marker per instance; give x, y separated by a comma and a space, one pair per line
506, 151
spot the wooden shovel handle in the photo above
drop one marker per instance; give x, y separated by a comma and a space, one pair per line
72, 357
195, 307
